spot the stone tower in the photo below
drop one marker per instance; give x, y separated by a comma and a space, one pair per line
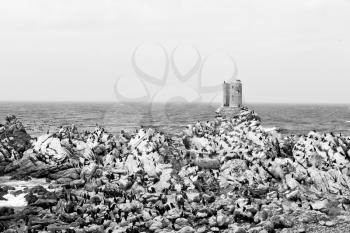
232, 94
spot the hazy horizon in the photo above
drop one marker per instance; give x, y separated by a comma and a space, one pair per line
173, 102
286, 51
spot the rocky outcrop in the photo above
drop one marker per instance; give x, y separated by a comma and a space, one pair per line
14, 140
226, 175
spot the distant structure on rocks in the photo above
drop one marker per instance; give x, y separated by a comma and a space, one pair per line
232, 99
232, 93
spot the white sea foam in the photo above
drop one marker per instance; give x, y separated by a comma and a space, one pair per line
18, 200
270, 129
14, 201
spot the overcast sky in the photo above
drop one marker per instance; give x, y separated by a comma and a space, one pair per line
290, 51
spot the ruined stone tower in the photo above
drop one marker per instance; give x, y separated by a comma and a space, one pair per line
232, 94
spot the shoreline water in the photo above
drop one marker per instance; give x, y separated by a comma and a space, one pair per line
38, 118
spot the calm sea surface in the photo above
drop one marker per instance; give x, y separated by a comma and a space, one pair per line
38, 118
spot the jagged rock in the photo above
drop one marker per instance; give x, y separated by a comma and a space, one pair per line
293, 196
173, 214
240, 215
281, 222
212, 221
330, 223
40, 190
156, 224
223, 171
88, 171
14, 131
261, 216
186, 229
95, 229
193, 196
207, 163
222, 220
202, 229
320, 205
181, 223
256, 230
71, 173
45, 203
30, 198
6, 211
128, 207
236, 229
68, 218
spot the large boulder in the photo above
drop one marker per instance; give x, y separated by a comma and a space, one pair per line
14, 130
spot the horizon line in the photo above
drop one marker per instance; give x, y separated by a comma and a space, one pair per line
172, 102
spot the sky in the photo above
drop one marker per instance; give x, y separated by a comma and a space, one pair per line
284, 51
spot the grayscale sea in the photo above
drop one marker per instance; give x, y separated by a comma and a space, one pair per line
38, 117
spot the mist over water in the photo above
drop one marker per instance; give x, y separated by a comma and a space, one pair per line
171, 118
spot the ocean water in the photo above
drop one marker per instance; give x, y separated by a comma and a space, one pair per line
171, 118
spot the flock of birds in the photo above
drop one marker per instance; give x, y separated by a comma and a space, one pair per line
220, 174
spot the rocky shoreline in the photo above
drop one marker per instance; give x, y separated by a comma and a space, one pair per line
225, 175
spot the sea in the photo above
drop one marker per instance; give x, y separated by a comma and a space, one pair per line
40, 117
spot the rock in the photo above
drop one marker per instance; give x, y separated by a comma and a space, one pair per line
14, 130
312, 217
129, 207
200, 214
68, 218
212, 221
261, 216
56, 227
39, 190
99, 150
322, 222
45, 203
329, 223
95, 229
30, 198
207, 163
320, 205
6, 211
28, 166
291, 182
241, 216
293, 196
10, 231
202, 229
71, 173
4, 190
181, 223
88, 171
222, 220
268, 226
234, 176
193, 196
236, 229
281, 222
156, 225
255, 230
76, 183
186, 229
96, 200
